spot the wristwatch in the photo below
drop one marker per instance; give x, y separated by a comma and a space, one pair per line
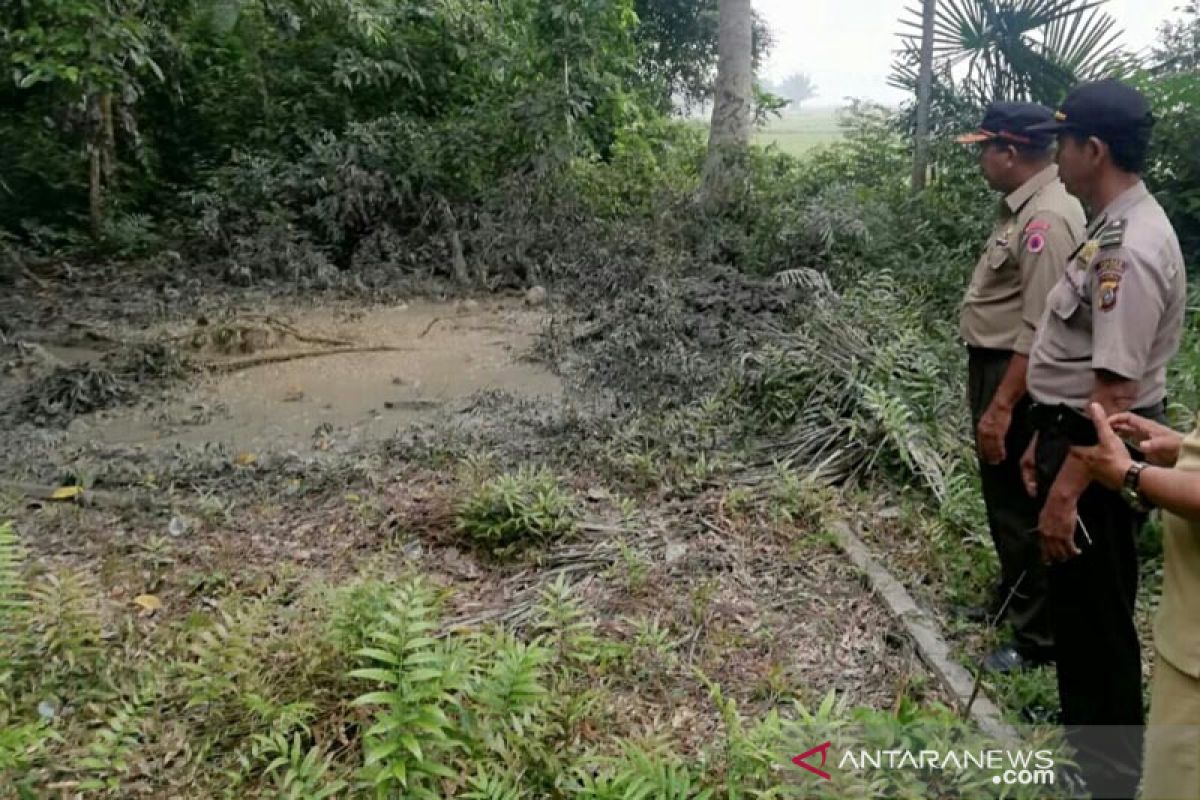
1131, 491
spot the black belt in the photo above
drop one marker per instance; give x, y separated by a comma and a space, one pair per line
1044, 417
1048, 417
1056, 420
988, 352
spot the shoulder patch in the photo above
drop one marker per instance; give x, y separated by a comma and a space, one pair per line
1110, 267
1037, 225
1036, 243
1109, 272
1112, 234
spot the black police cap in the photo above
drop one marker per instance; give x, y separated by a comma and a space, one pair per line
1106, 109
1013, 123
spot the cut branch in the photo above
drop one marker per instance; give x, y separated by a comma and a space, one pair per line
225, 367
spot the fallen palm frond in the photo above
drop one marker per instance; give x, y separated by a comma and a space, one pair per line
69, 391
810, 280
861, 385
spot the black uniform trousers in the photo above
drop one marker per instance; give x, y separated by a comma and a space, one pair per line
1096, 645
1012, 514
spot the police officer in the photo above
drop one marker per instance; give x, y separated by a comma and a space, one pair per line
1111, 325
1038, 226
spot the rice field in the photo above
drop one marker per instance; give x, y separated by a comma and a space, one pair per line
800, 132
795, 134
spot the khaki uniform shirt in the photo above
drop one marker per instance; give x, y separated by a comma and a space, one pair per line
1177, 626
1040, 224
1118, 307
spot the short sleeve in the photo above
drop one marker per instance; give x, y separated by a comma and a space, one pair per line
1046, 246
1126, 308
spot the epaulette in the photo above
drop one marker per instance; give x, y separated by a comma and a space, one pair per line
1112, 234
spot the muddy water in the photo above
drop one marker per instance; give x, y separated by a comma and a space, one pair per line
446, 353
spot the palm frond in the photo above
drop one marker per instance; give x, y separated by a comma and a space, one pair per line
807, 279
12, 585
1012, 49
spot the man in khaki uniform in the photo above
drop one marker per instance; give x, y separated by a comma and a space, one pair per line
1173, 738
1037, 228
1111, 325
1171, 481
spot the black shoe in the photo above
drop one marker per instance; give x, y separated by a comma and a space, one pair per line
1008, 659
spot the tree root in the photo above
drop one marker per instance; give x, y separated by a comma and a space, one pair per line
291, 330
226, 367
429, 327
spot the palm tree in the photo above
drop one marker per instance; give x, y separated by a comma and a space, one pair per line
1012, 49
733, 108
797, 88
924, 94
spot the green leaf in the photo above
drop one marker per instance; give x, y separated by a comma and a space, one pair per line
384, 726
440, 770
378, 655
380, 675
420, 642
416, 659
375, 699
380, 752
410, 743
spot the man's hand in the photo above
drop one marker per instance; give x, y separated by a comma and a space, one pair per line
991, 432
1029, 467
1057, 528
1160, 443
1108, 461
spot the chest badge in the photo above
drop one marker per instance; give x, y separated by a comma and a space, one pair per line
1088, 252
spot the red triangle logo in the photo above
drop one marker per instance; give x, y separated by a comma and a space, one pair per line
802, 760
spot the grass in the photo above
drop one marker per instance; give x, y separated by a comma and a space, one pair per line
798, 133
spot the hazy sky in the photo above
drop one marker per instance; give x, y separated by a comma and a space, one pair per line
847, 45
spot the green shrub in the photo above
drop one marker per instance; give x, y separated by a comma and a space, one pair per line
653, 164
419, 704
514, 512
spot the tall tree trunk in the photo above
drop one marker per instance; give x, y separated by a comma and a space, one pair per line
924, 97
108, 132
100, 147
457, 257
733, 111
95, 147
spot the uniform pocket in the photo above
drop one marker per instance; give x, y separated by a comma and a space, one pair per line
1068, 334
997, 257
